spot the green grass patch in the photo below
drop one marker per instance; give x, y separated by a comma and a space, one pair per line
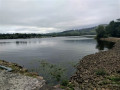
105, 82
65, 84
100, 72
114, 78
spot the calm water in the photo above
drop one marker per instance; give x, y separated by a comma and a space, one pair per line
65, 51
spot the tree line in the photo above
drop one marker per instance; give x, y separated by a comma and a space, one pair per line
77, 32
110, 30
19, 35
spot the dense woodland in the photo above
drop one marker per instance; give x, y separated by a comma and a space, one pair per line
110, 30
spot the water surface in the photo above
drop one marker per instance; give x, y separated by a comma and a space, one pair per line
65, 51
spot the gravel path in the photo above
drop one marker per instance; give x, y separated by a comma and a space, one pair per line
14, 81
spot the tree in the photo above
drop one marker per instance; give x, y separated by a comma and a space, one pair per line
111, 30
118, 20
100, 31
118, 31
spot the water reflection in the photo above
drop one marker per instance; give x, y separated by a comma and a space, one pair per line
21, 43
80, 41
4, 42
57, 50
103, 45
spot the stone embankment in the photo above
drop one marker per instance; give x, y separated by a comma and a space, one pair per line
99, 71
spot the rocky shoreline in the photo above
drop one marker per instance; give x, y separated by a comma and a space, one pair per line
17, 81
19, 69
111, 39
21, 79
99, 71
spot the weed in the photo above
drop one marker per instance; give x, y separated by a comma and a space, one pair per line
101, 72
114, 78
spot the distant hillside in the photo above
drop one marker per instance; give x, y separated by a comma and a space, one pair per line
76, 32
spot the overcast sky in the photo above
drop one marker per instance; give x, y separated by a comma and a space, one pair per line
44, 16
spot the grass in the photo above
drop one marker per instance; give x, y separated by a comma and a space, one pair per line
111, 80
105, 82
100, 72
18, 69
114, 79
65, 84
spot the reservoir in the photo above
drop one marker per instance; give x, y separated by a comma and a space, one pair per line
60, 51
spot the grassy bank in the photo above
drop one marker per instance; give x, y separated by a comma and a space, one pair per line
18, 69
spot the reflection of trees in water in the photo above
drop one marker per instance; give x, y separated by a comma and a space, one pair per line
26, 42
79, 41
4, 42
21, 42
101, 45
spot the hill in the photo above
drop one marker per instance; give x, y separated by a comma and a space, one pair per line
76, 32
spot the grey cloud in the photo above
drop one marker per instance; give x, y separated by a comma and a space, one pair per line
56, 14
